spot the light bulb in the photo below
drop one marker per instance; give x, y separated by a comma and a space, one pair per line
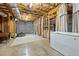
30, 5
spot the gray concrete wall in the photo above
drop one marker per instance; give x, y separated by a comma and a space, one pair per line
25, 27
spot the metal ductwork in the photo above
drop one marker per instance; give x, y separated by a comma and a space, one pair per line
15, 9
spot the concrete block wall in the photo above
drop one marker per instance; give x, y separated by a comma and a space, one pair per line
25, 27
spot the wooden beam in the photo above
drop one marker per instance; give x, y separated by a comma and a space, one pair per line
5, 10
53, 10
9, 8
30, 10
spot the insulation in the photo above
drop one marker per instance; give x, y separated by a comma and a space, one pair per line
63, 18
75, 18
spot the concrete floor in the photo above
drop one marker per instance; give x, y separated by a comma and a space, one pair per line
30, 45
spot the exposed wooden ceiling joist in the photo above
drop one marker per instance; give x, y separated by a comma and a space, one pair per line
6, 8
29, 10
36, 9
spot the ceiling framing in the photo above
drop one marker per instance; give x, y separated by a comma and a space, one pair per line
4, 7
36, 10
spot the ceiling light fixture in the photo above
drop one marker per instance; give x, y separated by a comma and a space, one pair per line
30, 5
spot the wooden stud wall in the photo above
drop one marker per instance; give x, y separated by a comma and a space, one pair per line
4, 7
44, 25
12, 26
50, 13
41, 27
